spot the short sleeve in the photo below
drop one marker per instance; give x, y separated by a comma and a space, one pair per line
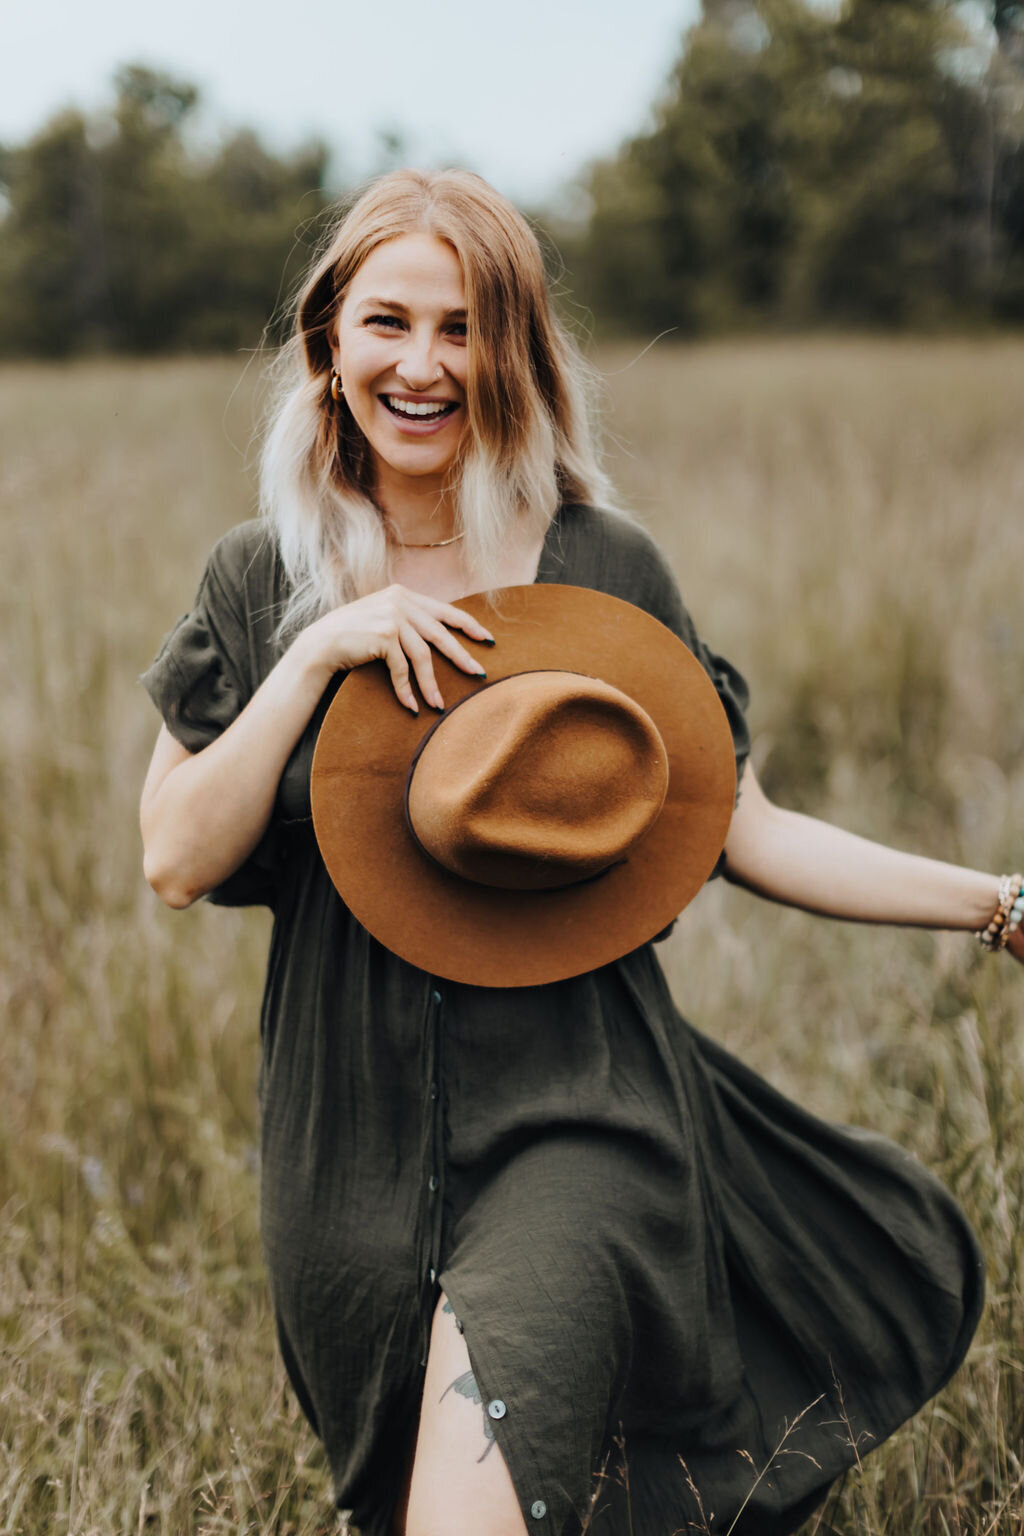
200, 681
734, 694
658, 592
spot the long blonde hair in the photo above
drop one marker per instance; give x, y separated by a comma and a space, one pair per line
529, 444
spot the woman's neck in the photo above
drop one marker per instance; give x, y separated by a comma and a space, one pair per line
442, 572
420, 514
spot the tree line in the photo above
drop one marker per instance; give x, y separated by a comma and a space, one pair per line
118, 236
808, 166
804, 165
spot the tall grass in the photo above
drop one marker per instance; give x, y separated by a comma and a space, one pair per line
845, 518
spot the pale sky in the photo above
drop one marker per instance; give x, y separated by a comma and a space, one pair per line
524, 91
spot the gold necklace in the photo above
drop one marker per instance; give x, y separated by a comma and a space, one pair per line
441, 543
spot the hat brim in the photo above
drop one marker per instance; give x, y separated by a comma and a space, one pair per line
455, 929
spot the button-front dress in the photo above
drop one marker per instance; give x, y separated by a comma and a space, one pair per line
660, 1264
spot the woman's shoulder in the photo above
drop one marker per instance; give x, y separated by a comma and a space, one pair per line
245, 560
609, 550
243, 593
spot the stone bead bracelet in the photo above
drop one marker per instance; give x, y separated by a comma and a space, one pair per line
1007, 917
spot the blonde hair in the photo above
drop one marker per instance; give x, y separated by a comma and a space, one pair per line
529, 444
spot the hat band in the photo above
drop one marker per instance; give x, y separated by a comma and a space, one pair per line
539, 891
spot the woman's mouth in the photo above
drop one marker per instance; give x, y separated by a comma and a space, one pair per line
420, 412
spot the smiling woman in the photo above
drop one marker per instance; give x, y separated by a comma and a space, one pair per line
519, 1217
400, 361
430, 292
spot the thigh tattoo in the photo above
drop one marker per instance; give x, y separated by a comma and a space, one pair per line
465, 1385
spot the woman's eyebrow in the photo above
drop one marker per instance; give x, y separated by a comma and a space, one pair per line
396, 304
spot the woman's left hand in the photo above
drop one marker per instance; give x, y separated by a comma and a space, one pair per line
1015, 946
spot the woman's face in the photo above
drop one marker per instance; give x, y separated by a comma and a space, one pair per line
400, 350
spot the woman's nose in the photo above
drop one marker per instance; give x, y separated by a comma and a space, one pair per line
418, 366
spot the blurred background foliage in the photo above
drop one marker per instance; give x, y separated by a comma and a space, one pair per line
119, 237
863, 165
808, 164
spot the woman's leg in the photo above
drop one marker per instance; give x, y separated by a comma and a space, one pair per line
460, 1483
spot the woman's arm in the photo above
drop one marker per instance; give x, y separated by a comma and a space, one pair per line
202, 814
806, 863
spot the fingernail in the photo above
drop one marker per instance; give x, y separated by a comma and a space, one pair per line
481, 673
490, 640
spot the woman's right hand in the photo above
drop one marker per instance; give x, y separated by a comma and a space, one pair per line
396, 626
203, 814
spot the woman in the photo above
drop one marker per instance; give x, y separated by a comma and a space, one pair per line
620, 1244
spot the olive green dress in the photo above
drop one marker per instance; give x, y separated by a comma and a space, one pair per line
656, 1259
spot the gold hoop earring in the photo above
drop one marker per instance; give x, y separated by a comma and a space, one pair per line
336, 386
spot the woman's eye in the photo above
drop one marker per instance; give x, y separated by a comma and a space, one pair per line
456, 330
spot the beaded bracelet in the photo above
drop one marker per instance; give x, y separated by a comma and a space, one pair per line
1007, 916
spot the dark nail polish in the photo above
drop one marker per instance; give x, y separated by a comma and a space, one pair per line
490, 642
481, 673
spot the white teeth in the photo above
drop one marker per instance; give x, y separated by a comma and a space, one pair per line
417, 408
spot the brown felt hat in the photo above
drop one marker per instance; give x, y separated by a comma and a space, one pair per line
556, 816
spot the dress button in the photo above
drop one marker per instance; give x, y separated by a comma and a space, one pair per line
437, 999
432, 1183
433, 1090
433, 1276
496, 1408
538, 1509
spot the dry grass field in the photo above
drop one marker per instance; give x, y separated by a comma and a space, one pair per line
847, 521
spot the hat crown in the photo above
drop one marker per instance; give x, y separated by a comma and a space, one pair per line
537, 782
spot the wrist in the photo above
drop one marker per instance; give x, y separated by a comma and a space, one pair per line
1009, 912
305, 659
984, 901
